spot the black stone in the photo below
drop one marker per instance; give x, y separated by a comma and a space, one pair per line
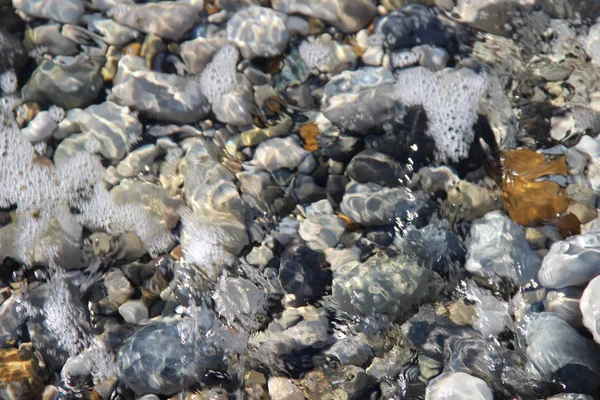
373, 166
300, 274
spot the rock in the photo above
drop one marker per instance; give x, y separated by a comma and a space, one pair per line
301, 275
283, 389
351, 351
72, 85
258, 32
557, 353
589, 305
167, 19
497, 248
150, 361
321, 229
49, 35
133, 311
67, 12
456, 386
307, 190
566, 304
346, 15
359, 100
138, 161
383, 285
115, 128
156, 94
21, 373
260, 256
197, 53
229, 92
118, 287
351, 382
416, 25
12, 321
570, 396
326, 55
433, 246
109, 30
372, 166
40, 128
277, 153
468, 201
491, 315
369, 204
571, 262
238, 299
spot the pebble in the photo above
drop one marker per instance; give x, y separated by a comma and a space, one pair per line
169, 20
557, 352
198, 53
114, 127
40, 128
589, 308
301, 275
370, 204
149, 362
277, 153
351, 351
566, 303
383, 285
260, 256
51, 37
157, 95
21, 374
346, 15
283, 389
258, 32
497, 247
321, 229
359, 100
457, 386
133, 311
68, 85
571, 262
67, 11
372, 166
118, 287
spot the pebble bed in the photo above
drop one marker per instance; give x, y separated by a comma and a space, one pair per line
299, 199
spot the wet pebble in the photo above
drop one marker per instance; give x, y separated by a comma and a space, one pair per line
258, 32
166, 19
158, 95
133, 311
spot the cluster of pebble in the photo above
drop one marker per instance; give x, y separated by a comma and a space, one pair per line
296, 199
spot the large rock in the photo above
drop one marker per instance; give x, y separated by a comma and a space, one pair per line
497, 248
346, 15
258, 32
72, 85
383, 285
158, 95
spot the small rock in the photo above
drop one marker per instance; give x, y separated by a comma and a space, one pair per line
166, 19
133, 311
359, 100
260, 256
156, 94
372, 166
258, 32
118, 287
40, 128
283, 389
346, 15
72, 85
497, 246
21, 373
277, 153
458, 386
351, 351
65, 11
571, 262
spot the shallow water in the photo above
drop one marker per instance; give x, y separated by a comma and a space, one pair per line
286, 199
